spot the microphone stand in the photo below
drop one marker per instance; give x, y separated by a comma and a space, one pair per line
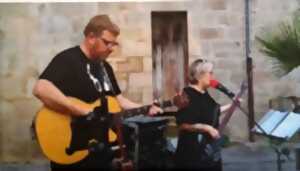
274, 145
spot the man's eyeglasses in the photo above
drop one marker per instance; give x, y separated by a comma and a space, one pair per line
108, 43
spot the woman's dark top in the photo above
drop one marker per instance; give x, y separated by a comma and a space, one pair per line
201, 109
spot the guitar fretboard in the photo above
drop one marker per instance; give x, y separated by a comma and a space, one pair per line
143, 109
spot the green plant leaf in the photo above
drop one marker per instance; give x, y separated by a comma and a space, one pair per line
283, 46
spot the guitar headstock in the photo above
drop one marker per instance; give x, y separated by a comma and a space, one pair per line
243, 88
244, 85
181, 100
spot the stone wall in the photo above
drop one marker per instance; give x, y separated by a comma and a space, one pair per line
32, 33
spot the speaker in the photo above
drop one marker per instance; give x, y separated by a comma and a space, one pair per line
147, 145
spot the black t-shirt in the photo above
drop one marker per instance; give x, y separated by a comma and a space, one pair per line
73, 73
200, 110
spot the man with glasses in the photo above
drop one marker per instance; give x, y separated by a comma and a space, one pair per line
82, 72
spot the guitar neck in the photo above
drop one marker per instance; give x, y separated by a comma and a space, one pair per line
143, 109
232, 108
228, 115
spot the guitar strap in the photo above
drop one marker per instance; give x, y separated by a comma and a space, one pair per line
98, 81
106, 78
216, 114
102, 94
126, 164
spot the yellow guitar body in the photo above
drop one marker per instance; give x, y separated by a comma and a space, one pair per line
54, 132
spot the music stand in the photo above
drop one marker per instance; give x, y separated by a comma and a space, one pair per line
279, 127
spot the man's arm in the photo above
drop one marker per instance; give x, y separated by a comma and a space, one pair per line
54, 99
128, 104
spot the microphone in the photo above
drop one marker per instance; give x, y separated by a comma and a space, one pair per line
217, 85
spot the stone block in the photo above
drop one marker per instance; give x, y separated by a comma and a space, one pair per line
236, 33
222, 74
238, 127
135, 18
135, 95
122, 79
123, 67
2, 36
26, 109
225, 45
237, 5
234, 18
211, 33
121, 76
163, 6
12, 87
237, 76
14, 9
221, 54
206, 49
116, 53
140, 80
194, 42
216, 4
16, 131
228, 64
36, 154
147, 95
147, 64
69, 9
133, 64
133, 46
261, 76
123, 85
207, 18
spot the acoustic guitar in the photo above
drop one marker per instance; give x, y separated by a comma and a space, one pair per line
66, 140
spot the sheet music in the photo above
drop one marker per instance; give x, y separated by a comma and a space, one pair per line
270, 120
289, 127
279, 124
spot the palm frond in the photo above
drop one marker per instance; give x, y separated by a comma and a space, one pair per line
283, 46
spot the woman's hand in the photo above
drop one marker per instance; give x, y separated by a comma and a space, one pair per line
214, 133
226, 107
